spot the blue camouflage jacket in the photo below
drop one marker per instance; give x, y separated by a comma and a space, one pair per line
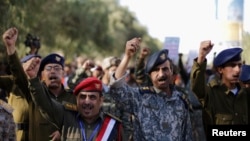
157, 117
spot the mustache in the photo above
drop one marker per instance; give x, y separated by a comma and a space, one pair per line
53, 77
236, 75
87, 106
162, 78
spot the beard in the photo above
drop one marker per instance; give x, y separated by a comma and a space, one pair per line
53, 82
54, 86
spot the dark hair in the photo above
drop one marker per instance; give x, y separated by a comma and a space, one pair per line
32, 41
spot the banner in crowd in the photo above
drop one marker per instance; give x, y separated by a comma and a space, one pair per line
172, 44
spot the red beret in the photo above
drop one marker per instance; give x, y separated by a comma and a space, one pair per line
90, 84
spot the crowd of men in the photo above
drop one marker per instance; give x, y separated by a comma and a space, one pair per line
48, 99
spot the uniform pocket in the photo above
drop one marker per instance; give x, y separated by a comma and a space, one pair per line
223, 119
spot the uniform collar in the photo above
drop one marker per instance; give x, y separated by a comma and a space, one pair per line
100, 117
160, 92
224, 87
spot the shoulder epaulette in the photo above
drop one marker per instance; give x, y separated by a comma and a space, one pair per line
69, 106
6, 106
114, 117
69, 90
186, 101
214, 82
146, 89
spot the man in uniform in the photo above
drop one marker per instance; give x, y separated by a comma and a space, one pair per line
18, 100
7, 125
195, 105
84, 121
109, 65
40, 126
17, 97
154, 107
225, 101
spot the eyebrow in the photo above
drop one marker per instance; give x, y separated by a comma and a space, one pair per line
53, 65
232, 64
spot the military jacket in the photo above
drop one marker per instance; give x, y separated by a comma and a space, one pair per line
67, 118
110, 106
7, 125
195, 105
157, 117
40, 125
223, 107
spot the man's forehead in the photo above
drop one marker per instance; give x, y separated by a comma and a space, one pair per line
165, 64
233, 63
52, 64
88, 93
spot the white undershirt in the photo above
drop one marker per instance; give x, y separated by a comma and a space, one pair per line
234, 91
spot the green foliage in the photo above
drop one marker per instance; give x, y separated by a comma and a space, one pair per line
93, 28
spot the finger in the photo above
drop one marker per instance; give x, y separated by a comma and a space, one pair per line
15, 31
52, 135
145, 50
53, 139
133, 48
7, 36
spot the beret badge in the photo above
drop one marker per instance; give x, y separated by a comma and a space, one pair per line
58, 59
163, 56
98, 86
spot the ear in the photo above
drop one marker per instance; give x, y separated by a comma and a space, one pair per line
220, 69
62, 73
42, 75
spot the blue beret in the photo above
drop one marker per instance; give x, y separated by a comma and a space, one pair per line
156, 59
245, 73
227, 55
28, 57
52, 58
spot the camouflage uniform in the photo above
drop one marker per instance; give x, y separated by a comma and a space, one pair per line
141, 78
7, 125
195, 105
196, 116
196, 113
110, 106
67, 117
157, 117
